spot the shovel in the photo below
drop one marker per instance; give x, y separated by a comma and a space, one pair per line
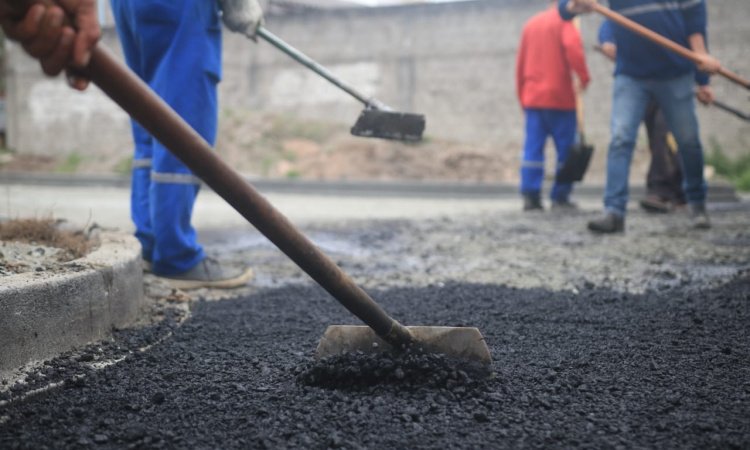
579, 155
731, 110
377, 120
664, 42
142, 104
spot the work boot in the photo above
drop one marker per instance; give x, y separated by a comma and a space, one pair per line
698, 216
655, 204
610, 223
532, 202
564, 205
210, 273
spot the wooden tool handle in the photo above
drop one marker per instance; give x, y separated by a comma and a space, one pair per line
664, 42
142, 104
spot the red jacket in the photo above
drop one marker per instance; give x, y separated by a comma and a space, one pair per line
551, 49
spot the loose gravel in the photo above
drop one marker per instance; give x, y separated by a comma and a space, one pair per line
638, 340
598, 369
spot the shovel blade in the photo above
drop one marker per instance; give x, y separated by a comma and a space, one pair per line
576, 164
465, 343
376, 123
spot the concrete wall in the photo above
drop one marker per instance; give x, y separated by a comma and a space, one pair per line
45, 117
453, 61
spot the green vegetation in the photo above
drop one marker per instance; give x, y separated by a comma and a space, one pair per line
267, 164
293, 174
288, 127
6, 154
283, 128
124, 166
70, 164
736, 170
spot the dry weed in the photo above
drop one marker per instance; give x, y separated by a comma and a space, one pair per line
46, 232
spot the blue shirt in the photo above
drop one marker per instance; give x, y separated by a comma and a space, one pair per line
640, 58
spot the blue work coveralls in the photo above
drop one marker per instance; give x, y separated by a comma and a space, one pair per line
175, 47
540, 124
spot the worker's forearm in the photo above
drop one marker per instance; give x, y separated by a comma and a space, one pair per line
697, 43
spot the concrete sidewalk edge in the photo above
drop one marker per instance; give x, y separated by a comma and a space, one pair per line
43, 315
718, 191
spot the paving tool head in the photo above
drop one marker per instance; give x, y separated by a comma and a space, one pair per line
378, 123
576, 164
465, 343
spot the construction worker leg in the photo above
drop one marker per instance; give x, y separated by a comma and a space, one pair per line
532, 160
677, 102
141, 167
181, 47
563, 125
664, 178
630, 99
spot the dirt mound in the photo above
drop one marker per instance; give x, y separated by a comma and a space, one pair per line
287, 147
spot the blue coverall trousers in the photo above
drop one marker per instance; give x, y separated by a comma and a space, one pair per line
540, 124
175, 47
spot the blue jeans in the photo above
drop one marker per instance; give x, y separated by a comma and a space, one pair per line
676, 99
541, 123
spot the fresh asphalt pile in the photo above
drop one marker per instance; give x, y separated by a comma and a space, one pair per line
620, 341
595, 369
407, 368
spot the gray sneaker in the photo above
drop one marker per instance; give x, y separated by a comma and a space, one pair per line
698, 216
210, 273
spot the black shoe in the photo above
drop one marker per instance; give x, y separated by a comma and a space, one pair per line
698, 217
565, 205
655, 204
610, 223
532, 203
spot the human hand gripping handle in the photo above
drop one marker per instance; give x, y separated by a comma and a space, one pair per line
581, 6
46, 33
703, 61
242, 16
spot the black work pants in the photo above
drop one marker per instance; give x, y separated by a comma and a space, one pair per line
664, 178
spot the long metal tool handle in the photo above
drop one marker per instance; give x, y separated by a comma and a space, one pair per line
143, 105
723, 106
312, 65
664, 42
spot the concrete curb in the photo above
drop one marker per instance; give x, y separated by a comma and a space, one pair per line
45, 314
718, 191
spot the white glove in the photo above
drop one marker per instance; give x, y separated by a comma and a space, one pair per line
242, 16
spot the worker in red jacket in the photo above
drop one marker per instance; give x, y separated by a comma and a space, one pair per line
551, 51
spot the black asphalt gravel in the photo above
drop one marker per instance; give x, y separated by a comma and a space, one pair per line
595, 370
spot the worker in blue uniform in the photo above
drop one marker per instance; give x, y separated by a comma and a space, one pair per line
175, 47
